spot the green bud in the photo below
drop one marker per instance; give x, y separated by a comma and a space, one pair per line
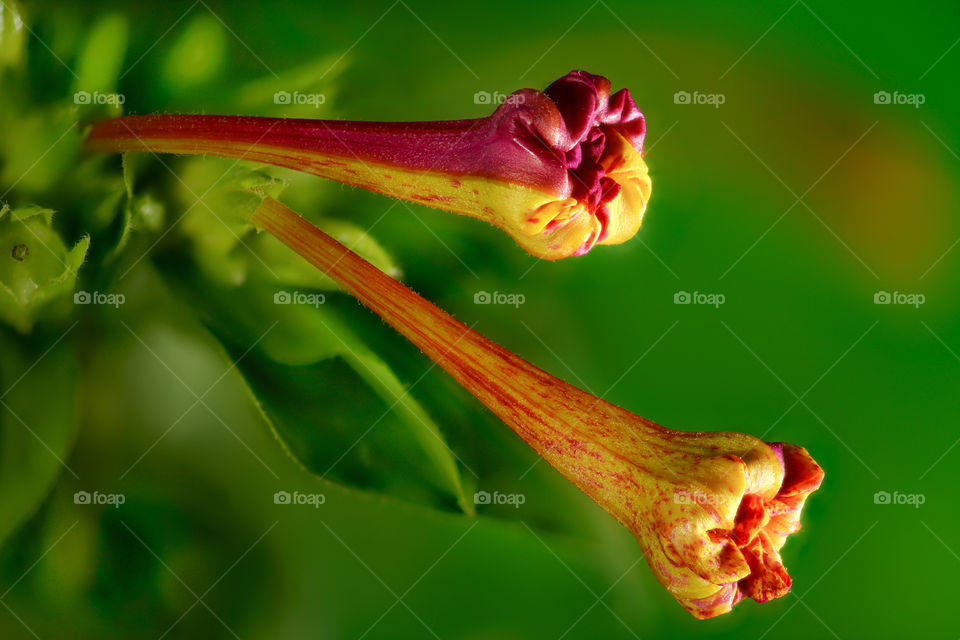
37, 271
219, 197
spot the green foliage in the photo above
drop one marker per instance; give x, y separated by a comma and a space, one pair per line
38, 382
314, 379
13, 35
198, 54
100, 59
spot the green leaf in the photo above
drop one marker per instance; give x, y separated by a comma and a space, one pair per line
335, 406
37, 147
13, 35
218, 196
198, 54
141, 211
305, 91
37, 423
99, 64
100, 60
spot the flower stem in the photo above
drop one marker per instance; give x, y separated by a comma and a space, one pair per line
328, 148
564, 427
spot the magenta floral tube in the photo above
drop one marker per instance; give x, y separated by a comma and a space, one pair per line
560, 170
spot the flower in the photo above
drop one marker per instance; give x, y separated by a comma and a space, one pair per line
711, 510
559, 170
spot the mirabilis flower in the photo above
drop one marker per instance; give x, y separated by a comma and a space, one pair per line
711, 510
559, 170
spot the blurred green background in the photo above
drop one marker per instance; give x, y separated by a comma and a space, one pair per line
798, 199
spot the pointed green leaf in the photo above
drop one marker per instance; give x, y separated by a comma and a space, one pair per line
336, 407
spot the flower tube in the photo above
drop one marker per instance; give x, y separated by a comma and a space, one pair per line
710, 510
559, 170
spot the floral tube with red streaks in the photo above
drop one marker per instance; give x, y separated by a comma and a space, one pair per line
711, 510
559, 170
